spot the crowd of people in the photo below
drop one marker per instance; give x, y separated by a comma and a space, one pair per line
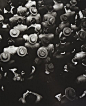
42, 52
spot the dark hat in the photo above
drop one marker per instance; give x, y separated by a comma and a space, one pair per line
48, 2
70, 93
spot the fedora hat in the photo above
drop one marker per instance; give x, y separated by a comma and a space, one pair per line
70, 93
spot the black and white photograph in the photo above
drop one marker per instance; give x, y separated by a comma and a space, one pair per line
42, 52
